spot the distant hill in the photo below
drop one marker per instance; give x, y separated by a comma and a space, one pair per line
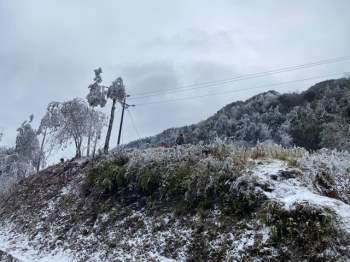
318, 117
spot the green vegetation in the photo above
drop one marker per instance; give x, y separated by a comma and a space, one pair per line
177, 183
305, 228
107, 177
182, 187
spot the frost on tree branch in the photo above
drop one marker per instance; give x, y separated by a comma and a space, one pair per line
71, 122
97, 93
19, 162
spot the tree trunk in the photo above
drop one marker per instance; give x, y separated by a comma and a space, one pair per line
78, 143
41, 151
95, 144
88, 144
78, 153
106, 147
79, 149
89, 135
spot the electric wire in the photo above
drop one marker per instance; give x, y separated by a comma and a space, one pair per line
238, 90
238, 78
133, 123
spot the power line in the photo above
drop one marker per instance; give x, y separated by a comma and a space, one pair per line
249, 76
240, 78
238, 90
133, 123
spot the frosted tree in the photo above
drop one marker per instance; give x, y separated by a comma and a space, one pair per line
285, 138
251, 130
336, 129
306, 126
67, 122
73, 124
116, 92
97, 121
97, 93
49, 124
12, 168
336, 135
27, 143
221, 125
19, 161
96, 97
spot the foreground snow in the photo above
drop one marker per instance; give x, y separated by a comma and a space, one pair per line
18, 247
141, 236
295, 190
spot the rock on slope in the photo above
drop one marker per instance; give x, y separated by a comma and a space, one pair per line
184, 204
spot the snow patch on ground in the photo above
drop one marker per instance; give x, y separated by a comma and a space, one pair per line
294, 190
19, 247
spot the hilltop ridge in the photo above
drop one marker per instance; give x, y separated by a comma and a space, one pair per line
316, 118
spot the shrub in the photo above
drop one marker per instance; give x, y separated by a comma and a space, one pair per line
148, 181
309, 230
106, 177
177, 181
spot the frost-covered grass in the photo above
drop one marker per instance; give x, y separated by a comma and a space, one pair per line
19, 247
329, 172
214, 203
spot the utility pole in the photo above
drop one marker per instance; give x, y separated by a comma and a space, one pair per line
125, 106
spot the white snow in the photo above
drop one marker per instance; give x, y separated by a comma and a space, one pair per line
246, 239
18, 247
293, 190
283, 190
81, 160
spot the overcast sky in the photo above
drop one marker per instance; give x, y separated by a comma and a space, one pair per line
48, 50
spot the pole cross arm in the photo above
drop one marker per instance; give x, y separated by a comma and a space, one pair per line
127, 105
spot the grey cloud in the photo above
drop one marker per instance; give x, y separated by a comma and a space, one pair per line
193, 39
48, 50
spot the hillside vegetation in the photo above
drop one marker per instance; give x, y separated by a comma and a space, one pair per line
189, 203
316, 118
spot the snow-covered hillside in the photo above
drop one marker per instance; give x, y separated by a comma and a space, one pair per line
316, 118
192, 203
